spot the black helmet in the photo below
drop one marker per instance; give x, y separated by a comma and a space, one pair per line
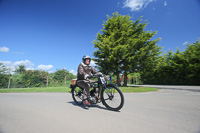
85, 57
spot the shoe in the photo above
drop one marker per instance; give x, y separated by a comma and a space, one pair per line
86, 102
92, 99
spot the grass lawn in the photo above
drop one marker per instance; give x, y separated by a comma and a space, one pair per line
137, 89
67, 89
36, 89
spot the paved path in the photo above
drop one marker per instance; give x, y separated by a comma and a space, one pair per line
165, 111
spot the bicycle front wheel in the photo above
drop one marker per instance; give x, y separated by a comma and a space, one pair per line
112, 97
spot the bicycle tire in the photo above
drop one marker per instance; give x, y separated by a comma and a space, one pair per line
112, 98
77, 95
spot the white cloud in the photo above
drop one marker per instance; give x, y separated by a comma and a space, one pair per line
6, 63
72, 71
17, 52
118, 3
30, 68
4, 49
165, 3
185, 43
92, 63
13, 65
26, 63
137, 5
44, 67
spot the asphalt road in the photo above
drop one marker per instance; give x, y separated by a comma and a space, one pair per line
165, 111
173, 87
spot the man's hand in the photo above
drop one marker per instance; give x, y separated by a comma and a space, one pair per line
99, 73
88, 76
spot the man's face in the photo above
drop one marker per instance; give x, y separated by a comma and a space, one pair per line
87, 61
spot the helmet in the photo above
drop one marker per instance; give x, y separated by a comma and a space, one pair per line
85, 57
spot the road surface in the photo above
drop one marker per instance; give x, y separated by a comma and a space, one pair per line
164, 111
174, 87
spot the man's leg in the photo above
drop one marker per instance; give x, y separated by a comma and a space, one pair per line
85, 85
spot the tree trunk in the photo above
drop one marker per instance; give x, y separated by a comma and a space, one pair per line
65, 79
9, 82
125, 79
47, 81
132, 80
136, 80
118, 80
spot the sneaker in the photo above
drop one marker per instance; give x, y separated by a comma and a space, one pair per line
86, 102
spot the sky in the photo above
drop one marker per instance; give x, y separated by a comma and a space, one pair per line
55, 34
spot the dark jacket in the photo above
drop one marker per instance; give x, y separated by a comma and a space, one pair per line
84, 71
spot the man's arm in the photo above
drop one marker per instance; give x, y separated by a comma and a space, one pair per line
94, 71
81, 72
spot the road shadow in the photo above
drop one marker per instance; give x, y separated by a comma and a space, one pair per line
81, 106
1, 131
90, 106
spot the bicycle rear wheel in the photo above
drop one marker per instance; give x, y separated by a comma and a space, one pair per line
77, 95
112, 97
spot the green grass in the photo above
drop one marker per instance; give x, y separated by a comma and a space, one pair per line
39, 89
137, 89
67, 89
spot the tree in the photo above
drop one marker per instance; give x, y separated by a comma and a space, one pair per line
34, 78
21, 69
4, 77
176, 68
192, 57
3, 69
123, 45
62, 75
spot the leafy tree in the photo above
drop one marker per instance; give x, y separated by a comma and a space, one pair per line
192, 56
60, 75
17, 81
21, 69
34, 78
176, 68
123, 45
3, 76
3, 69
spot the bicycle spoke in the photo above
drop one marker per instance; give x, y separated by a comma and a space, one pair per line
112, 97
106, 99
77, 95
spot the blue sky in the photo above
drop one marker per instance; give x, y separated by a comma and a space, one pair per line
55, 34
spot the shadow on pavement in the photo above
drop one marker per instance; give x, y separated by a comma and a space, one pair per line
1, 131
81, 106
90, 106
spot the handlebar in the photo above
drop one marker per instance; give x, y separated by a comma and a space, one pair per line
107, 77
97, 75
